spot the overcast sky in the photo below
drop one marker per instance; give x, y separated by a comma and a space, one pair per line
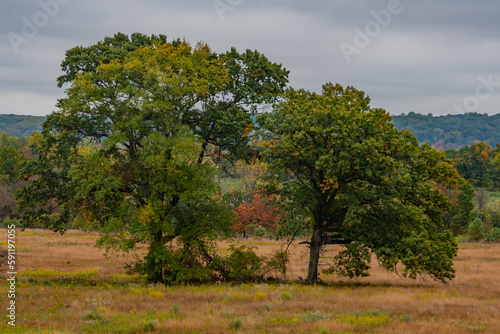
440, 57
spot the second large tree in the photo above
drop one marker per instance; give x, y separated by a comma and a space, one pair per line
361, 183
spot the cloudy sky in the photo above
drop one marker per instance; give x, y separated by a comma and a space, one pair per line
440, 57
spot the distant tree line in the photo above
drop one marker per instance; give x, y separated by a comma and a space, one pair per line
20, 125
451, 131
441, 132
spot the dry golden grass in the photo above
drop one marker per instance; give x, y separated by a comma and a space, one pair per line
68, 286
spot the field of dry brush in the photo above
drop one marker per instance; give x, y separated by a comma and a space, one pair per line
66, 285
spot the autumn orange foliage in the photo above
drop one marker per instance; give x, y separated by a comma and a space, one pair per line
258, 212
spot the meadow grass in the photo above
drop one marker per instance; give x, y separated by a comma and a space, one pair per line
65, 285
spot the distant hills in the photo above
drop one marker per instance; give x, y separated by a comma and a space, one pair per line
451, 131
20, 125
442, 132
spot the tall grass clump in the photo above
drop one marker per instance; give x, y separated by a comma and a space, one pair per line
236, 324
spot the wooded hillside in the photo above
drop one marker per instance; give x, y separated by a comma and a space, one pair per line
451, 131
20, 125
442, 132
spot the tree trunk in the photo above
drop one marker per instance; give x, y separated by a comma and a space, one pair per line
202, 153
155, 258
314, 249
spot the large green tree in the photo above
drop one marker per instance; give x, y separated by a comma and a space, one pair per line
361, 182
126, 152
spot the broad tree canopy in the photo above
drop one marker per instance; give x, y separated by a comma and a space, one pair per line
126, 151
361, 183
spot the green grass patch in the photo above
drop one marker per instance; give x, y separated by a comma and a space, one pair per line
19, 248
475, 327
236, 324
124, 323
34, 234
267, 308
312, 316
284, 320
404, 317
62, 244
126, 277
370, 319
31, 329
84, 273
309, 316
285, 295
41, 273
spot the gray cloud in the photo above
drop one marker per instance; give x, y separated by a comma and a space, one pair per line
427, 58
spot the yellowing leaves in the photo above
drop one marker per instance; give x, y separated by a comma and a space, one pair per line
328, 184
248, 129
146, 215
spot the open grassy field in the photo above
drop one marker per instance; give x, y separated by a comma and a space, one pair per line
65, 285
